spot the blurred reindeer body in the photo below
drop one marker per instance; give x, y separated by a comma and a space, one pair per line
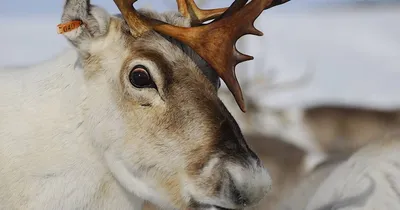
140, 120
345, 129
367, 180
338, 128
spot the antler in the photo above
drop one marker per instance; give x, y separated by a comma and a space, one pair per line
215, 41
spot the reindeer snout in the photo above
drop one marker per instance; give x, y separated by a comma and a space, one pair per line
233, 176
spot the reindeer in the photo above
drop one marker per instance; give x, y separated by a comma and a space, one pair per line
139, 119
345, 129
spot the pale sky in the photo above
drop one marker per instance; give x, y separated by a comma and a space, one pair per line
54, 7
341, 46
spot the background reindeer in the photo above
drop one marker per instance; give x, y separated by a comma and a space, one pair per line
141, 119
345, 129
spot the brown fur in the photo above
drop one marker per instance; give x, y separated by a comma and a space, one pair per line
338, 183
341, 129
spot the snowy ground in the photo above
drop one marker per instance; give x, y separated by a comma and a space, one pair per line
354, 51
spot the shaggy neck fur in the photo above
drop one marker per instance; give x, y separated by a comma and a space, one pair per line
53, 108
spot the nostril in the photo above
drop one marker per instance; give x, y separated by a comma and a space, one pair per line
258, 162
237, 197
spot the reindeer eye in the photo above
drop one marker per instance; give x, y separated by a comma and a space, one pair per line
140, 78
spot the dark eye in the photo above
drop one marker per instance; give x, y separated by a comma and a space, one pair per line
140, 77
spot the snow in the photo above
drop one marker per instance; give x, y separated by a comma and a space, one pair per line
354, 51
29, 40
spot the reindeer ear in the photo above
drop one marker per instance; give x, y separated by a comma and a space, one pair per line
93, 22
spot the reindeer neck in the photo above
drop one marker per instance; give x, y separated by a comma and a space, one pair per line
55, 138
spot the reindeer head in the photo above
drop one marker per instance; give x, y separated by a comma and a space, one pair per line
152, 104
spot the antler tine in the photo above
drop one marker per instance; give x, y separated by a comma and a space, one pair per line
189, 9
235, 6
132, 17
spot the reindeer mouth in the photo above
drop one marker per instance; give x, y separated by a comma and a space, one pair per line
202, 206
220, 208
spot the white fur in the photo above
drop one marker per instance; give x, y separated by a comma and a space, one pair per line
46, 150
245, 179
368, 180
132, 183
251, 178
49, 132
